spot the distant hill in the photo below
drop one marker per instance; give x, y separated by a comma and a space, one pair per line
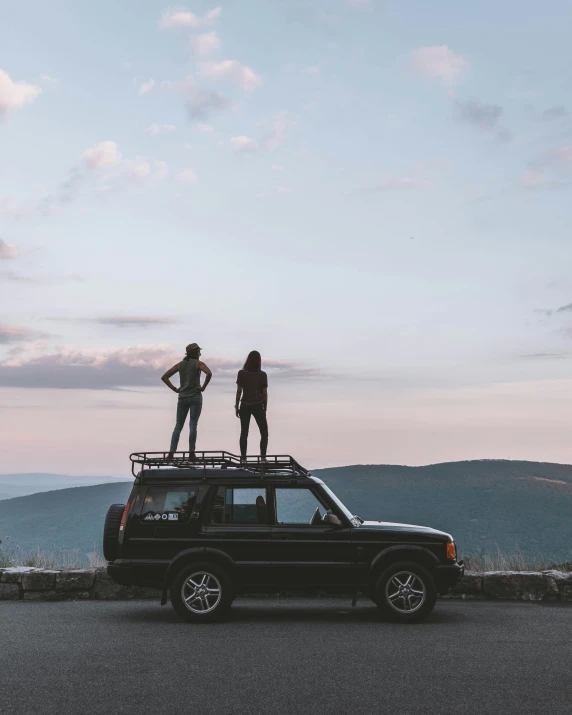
526, 505
66, 518
19, 485
483, 503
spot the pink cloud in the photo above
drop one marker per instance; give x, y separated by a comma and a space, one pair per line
115, 368
439, 62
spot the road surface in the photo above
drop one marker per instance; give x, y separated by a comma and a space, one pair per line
291, 656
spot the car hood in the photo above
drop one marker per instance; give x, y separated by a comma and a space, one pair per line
411, 528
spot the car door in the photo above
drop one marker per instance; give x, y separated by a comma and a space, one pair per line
238, 526
305, 551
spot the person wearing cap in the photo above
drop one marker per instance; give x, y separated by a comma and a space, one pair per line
190, 394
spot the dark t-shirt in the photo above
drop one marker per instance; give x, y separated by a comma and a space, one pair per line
252, 384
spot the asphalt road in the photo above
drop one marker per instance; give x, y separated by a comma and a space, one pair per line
295, 656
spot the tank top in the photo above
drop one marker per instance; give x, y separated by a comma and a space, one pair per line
190, 378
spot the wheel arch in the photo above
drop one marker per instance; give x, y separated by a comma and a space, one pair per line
188, 556
394, 554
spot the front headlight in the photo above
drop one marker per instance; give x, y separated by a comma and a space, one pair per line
451, 550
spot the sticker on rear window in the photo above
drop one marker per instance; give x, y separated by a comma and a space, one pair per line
161, 517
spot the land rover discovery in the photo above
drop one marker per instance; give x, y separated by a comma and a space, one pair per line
208, 528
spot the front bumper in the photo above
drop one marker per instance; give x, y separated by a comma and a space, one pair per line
447, 575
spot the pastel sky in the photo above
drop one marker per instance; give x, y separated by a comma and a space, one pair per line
375, 194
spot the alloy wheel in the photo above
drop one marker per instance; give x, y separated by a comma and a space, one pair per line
405, 592
201, 592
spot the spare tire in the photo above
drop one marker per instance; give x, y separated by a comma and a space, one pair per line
111, 531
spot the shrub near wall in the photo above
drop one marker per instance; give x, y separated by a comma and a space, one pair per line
33, 584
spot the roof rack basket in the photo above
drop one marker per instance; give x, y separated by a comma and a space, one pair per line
272, 465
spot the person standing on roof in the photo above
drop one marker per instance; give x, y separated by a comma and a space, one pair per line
190, 394
252, 387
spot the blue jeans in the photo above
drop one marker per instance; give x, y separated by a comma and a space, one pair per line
193, 405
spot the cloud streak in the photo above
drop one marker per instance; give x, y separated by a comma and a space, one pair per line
10, 334
202, 104
483, 116
139, 366
134, 321
104, 169
555, 113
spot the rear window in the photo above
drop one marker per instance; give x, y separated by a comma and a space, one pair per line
169, 504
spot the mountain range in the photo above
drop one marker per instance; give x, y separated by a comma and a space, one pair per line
19, 485
484, 504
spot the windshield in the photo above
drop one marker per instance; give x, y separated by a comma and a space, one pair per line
347, 513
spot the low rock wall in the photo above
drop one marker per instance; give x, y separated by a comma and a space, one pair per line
32, 584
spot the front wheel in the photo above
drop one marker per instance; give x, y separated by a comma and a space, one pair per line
202, 593
406, 592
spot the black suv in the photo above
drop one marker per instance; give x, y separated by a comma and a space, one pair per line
209, 528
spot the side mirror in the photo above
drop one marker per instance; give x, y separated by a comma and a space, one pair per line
331, 519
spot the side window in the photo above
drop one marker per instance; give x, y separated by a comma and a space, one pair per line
298, 506
169, 504
234, 505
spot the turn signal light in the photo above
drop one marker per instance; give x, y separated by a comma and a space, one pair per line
451, 550
124, 518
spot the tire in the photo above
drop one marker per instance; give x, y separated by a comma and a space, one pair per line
419, 592
208, 607
111, 531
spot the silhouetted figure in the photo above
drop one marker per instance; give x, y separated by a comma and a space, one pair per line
190, 394
252, 384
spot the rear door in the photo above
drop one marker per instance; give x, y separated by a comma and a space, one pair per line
164, 521
306, 552
238, 525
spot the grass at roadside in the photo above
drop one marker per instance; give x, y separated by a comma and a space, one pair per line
12, 555
498, 560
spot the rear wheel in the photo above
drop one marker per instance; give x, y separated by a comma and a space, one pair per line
406, 592
111, 531
202, 593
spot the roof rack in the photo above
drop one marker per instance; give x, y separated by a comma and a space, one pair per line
275, 464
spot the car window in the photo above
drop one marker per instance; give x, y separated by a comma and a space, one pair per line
297, 506
169, 504
235, 505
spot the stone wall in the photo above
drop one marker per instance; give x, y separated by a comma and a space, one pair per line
31, 584
515, 585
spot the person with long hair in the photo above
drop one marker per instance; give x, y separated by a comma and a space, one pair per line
252, 401
190, 394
